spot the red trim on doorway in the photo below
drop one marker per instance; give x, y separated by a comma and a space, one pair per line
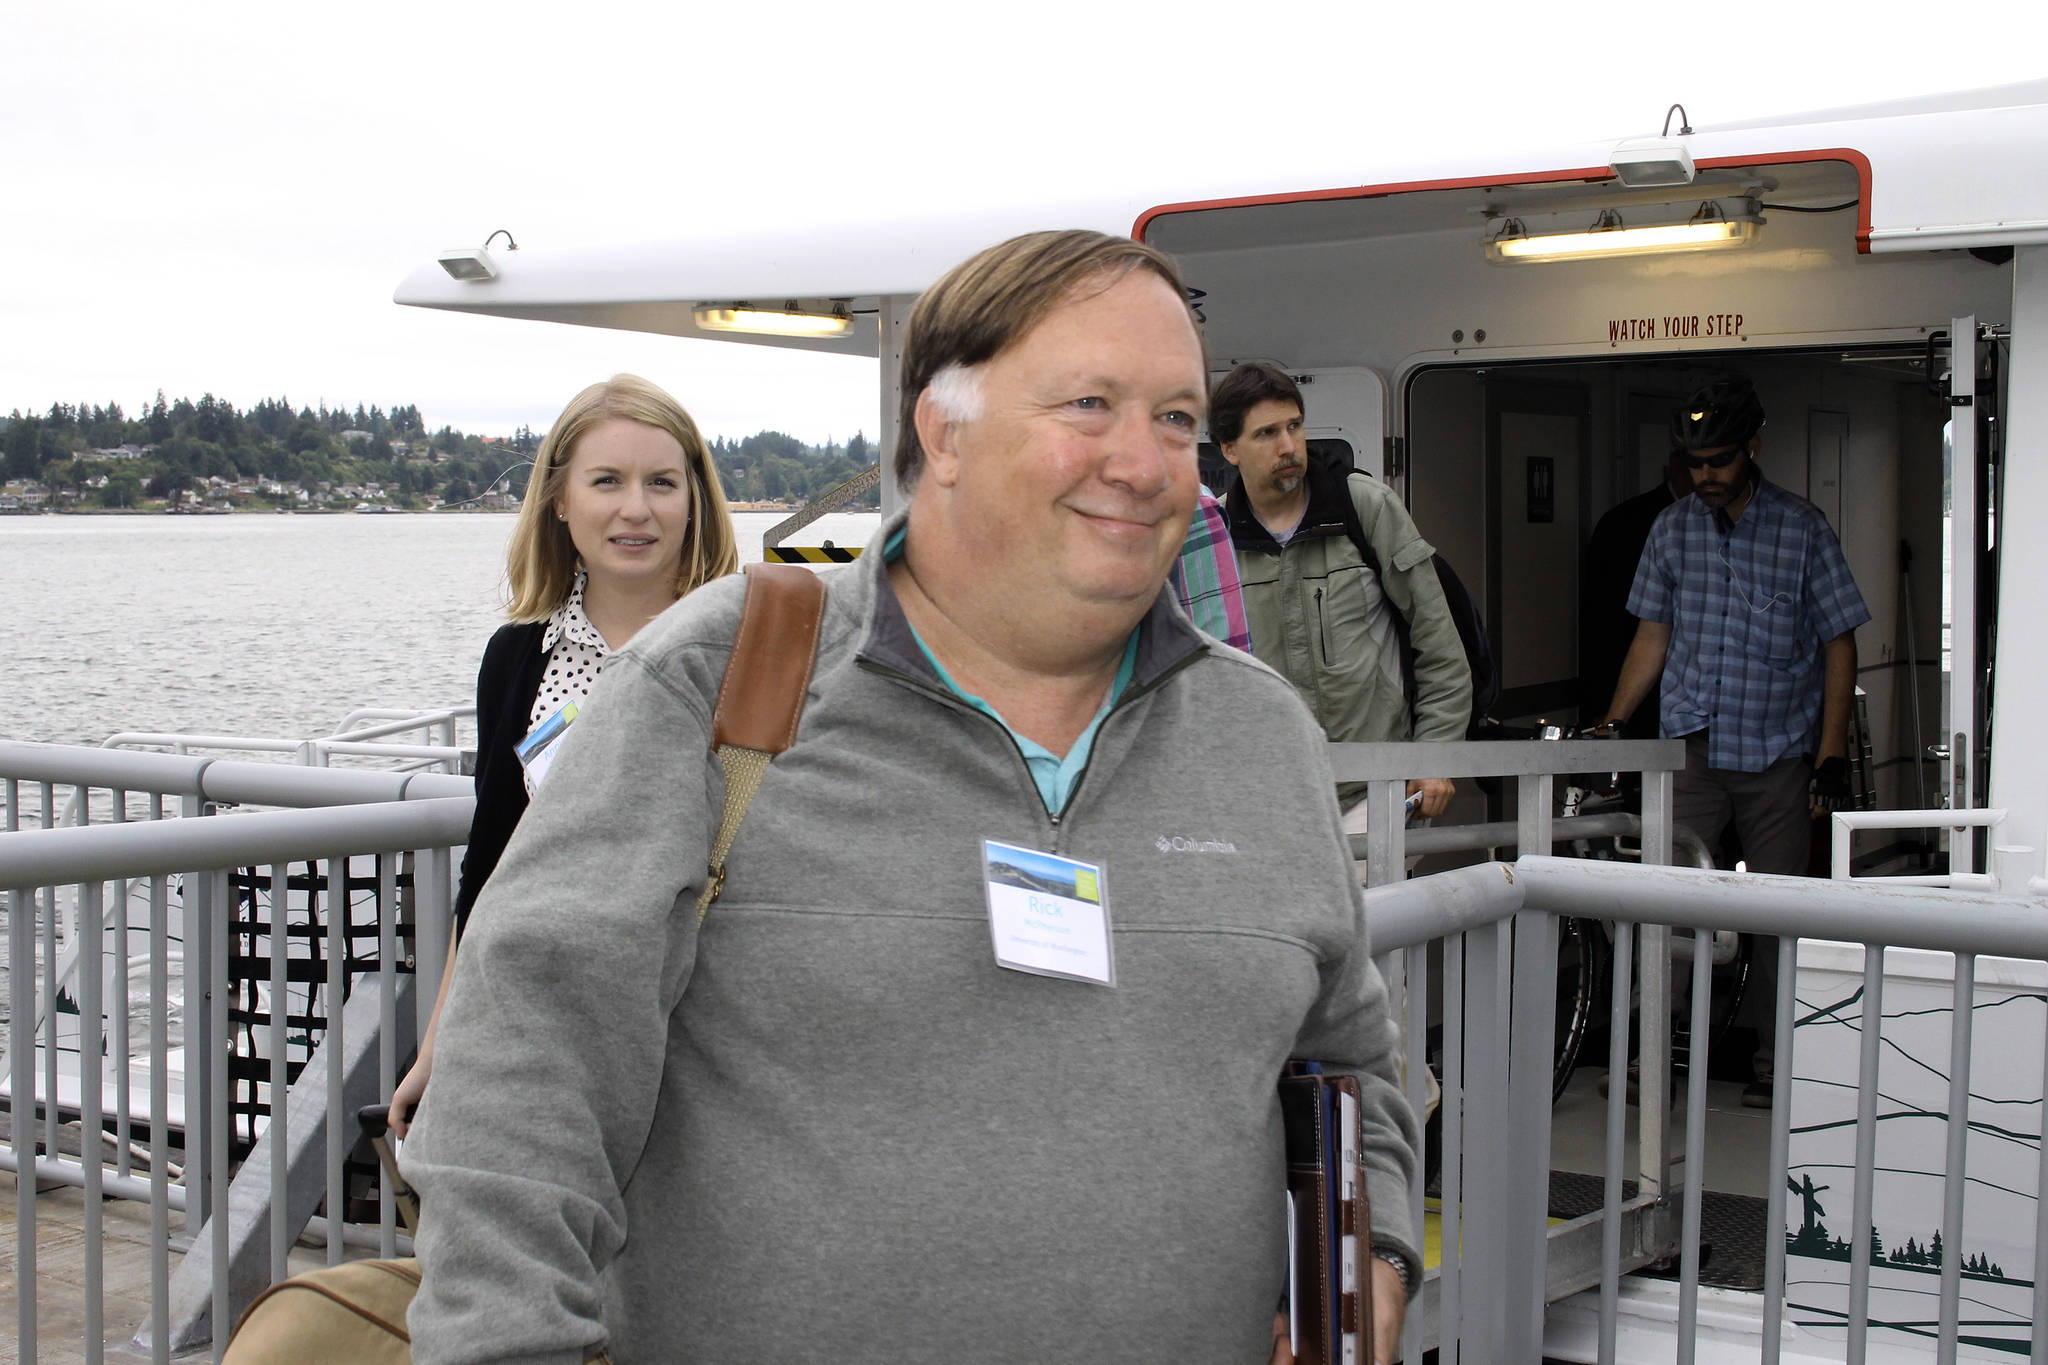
1589, 174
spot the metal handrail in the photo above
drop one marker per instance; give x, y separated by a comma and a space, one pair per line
144, 848
1505, 758
1846, 823
1986, 923
830, 500
348, 737
219, 780
400, 720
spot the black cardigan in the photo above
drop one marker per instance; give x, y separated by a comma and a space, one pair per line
506, 685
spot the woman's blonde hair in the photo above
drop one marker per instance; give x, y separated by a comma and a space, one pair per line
541, 562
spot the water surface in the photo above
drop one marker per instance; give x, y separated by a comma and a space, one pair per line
258, 624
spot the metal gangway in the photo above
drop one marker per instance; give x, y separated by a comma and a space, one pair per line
1509, 1280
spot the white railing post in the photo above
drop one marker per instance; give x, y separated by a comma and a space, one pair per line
21, 1006
160, 1107
1962, 1018
201, 1043
1532, 1043
387, 1042
219, 1126
1784, 1061
337, 905
1653, 1050
278, 1135
91, 1148
1864, 1196
1451, 1149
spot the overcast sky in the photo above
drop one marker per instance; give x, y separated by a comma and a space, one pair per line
221, 197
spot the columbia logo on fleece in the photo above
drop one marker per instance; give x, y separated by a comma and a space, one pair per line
1177, 844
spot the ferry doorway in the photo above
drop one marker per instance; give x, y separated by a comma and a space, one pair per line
1510, 467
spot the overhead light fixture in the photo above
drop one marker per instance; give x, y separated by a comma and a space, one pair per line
474, 262
1709, 229
791, 321
1655, 162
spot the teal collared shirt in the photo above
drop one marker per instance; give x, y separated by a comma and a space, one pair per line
1054, 775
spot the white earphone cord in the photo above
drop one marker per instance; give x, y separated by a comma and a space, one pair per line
1743, 592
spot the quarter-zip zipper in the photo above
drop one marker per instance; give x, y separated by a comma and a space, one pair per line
1053, 819
949, 699
1131, 694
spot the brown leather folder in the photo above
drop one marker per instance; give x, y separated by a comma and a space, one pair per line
1329, 1281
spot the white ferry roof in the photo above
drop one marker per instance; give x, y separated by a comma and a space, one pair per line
1968, 169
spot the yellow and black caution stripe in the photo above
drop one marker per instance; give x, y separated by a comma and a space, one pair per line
811, 554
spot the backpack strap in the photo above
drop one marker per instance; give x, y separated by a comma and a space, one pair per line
762, 697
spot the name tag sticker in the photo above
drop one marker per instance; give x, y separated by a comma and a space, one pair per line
1048, 915
537, 751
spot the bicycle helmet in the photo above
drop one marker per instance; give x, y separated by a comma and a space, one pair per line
1723, 413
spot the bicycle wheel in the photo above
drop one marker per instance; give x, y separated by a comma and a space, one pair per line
1578, 986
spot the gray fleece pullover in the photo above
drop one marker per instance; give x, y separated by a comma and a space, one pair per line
827, 1126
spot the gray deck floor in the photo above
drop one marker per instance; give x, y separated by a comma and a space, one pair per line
1733, 1212
1738, 1138
60, 1276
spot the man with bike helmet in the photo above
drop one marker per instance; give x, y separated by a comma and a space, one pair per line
1747, 607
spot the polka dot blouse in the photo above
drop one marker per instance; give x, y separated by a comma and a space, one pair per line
576, 655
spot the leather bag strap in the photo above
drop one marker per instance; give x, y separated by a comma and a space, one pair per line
761, 698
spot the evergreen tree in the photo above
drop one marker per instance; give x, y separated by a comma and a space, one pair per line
18, 449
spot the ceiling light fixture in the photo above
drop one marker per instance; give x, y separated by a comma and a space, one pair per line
1709, 228
790, 321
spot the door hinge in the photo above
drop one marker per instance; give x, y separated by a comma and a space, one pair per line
1395, 451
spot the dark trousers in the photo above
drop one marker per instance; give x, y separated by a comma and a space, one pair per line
1773, 821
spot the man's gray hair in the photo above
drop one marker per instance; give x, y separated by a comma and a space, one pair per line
957, 392
989, 303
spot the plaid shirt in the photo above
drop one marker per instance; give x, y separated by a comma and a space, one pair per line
1750, 610
1205, 577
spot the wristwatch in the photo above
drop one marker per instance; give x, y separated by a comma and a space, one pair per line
1402, 1266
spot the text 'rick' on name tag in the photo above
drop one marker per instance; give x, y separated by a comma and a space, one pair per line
1048, 914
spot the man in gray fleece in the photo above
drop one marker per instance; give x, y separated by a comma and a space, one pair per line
862, 1114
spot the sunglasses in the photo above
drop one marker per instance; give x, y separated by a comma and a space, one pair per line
1718, 460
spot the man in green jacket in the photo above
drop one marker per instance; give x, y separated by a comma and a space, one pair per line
1319, 612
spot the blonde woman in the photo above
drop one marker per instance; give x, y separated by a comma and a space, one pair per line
623, 515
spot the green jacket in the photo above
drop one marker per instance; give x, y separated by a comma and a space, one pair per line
1320, 616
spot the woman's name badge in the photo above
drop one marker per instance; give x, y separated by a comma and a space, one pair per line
1048, 914
537, 751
